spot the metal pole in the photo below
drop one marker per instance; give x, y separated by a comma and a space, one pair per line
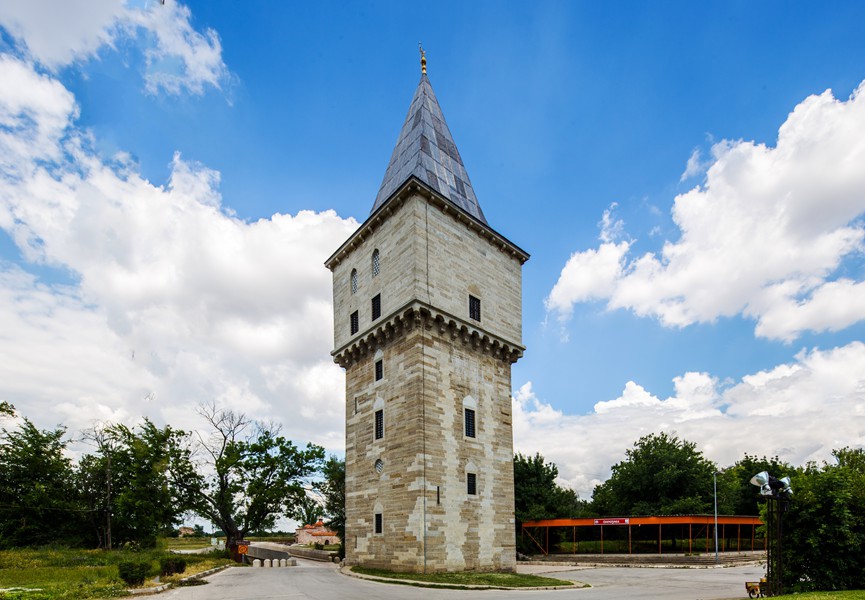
715, 482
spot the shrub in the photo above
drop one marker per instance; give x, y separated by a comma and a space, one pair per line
172, 565
133, 572
318, 546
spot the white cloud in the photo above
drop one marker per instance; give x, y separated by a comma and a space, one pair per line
589, 275
799, 411
695, 165
59, 33
178, 58
764, 237
174, 300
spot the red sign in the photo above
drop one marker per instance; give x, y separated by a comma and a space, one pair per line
612, 521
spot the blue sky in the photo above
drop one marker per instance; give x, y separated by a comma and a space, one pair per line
174, 176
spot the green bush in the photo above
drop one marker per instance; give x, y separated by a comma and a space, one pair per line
172, 565
318, 546
133, 572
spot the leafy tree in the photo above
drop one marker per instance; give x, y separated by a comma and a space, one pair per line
332, 489
37, 498
662, 475
736, 494
538, 496
824, 531
252, 473
6, 409
138, 475
536, 493
306, 509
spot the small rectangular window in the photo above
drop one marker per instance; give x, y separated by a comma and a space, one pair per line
470, 422
379, 369
471, 484
474, 308
378, 523
376, 307
379, 424
354, 323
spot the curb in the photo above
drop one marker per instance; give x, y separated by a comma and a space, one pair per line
630, 565
429, 584
165, 586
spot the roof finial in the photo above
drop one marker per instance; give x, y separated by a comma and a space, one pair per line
422, 58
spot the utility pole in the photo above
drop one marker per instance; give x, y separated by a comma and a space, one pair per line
108, 506
715, 482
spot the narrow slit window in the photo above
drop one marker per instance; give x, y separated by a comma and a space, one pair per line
378, 523
354, 281
376, 263
376, 307
469, 419
472, 484
355, 324
379, 424
475, 308
379, 369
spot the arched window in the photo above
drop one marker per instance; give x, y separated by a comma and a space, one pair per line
376, 264
378, 519
354, 281
378, 361
470, 407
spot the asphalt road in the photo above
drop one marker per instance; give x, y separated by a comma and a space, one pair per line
322, 581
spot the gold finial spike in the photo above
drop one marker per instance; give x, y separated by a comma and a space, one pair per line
422, 58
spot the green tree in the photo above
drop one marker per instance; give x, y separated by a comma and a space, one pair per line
332, 489
252, 474
536, 493
824, 529
736, 494
538, 496
138, 475
662, 475
6, 409
37, 499
306, 509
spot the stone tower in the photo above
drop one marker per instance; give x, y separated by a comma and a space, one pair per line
427, 322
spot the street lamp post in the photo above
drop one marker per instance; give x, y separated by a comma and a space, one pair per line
777, 493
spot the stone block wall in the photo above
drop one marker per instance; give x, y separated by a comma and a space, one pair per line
436, 361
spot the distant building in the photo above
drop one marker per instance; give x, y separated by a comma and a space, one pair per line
316, 534
427, 323
185, 531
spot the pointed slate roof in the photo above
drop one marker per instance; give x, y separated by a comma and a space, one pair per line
426, 149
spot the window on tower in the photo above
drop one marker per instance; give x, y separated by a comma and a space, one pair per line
376, 264
378, 523
472, 484
469, 419
379, 424
355, 325
376, 307
475, 308
379, 369
354, 281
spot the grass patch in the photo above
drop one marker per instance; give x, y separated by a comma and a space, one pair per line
70, 574
189, 543
846, 595
460, 580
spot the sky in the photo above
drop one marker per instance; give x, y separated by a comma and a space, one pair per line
689, 179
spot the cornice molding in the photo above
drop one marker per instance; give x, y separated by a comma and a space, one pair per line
417, 314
